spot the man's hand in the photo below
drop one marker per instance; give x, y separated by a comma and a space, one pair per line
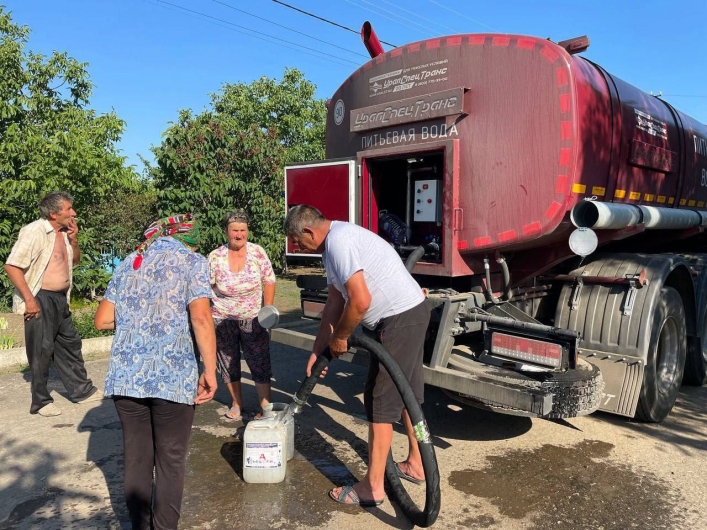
337, 346
207, 388
312, 359
31, 308
72, 229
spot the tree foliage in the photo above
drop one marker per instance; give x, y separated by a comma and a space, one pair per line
207, 168
287, 108
51, 140
233, 156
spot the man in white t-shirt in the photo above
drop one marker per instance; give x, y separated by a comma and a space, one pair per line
369, 285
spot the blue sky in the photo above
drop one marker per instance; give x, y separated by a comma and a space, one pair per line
148, 59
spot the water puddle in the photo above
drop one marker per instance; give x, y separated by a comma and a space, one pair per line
571, 487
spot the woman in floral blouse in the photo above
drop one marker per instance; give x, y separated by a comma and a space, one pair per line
242, 280
155, 297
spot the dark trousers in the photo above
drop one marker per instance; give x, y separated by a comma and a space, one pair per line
155, 435
53, 336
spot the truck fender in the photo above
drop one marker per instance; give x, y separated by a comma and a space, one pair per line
616, 320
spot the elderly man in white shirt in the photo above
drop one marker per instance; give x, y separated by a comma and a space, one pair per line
40, 267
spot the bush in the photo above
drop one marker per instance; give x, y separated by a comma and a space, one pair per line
83, 320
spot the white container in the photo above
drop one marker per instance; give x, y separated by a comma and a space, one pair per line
264, 451
284, 415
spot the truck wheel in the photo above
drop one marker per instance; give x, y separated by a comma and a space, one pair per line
574, 392
666, 358
696, 361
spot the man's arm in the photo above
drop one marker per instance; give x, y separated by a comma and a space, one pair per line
355, 309
205, 333
17, 277
72, 233
331, 314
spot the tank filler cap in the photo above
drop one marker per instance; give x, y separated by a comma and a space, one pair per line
583, 241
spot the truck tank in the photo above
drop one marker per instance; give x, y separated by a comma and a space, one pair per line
514, 131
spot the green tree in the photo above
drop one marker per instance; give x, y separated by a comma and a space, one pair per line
51, 140
207, 168
287, 108
234, 155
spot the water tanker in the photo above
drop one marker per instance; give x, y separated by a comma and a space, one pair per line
560, 211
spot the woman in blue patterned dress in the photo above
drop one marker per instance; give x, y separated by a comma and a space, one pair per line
153, 376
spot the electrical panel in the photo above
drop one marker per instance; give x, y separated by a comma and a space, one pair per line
426, 201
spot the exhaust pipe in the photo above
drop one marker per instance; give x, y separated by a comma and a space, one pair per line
370, 40
612, 216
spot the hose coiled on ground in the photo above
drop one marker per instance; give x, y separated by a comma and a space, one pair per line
423, 518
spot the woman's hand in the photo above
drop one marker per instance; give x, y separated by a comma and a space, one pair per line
206, 389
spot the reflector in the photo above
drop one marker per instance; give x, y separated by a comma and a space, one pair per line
535, 351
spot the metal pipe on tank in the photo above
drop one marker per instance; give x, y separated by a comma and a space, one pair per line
370, 40
592, 214
608, 216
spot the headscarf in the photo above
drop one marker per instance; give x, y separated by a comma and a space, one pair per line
182, 227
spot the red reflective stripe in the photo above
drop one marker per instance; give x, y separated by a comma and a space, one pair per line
381, 58
356, 74
347, 82
454, 41
477, 40
397, 52
463, 244
562, 184
501, 40
566, 130
549, 54
562, 76
525, 44
482, 241
367, 66
565, 156
508, 235
414, 47
432, 44
565, 102
551, 212
532, 227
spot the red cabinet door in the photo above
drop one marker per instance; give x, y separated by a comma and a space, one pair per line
327, 185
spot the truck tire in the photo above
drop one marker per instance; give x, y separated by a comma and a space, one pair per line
666, 358
574, 392
695, 373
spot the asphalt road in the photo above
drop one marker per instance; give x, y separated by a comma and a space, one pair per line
598, 472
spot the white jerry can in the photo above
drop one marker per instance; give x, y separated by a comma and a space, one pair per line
265, 451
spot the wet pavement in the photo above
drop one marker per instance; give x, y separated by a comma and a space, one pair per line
598, 472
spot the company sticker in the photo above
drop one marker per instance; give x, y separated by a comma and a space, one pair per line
339, 112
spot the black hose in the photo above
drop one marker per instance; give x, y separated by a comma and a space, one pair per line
418, 253
422, 518
413, 258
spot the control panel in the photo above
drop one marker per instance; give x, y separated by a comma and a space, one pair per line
426, 199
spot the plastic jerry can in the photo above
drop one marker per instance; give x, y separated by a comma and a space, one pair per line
264, 451
282, 412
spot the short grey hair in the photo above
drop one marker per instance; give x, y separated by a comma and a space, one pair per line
52, 203
236, 216
300, 217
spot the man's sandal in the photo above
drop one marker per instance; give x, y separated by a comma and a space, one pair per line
348, 495
407, 477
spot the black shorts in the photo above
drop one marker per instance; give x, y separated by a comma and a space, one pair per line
403, 336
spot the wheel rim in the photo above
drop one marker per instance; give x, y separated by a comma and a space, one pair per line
667, 358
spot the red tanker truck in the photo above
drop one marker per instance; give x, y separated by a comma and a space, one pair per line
555, 214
